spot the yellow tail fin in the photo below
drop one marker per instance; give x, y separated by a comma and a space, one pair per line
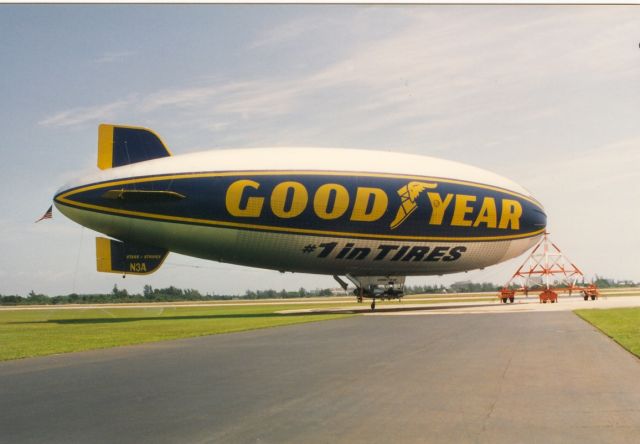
122, 145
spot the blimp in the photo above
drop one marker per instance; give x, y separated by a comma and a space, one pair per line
362, 216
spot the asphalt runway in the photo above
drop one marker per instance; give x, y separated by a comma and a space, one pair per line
438, 308
539, 377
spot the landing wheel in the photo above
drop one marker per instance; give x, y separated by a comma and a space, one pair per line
511, 299
373, 305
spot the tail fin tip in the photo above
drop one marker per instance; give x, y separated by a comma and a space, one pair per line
120, 145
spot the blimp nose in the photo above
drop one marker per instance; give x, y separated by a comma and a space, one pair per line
538, 218
85, 180
67, 205
59, 202
535, 221
59, 196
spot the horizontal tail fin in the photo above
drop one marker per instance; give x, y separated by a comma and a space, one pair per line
122, 145
113, 256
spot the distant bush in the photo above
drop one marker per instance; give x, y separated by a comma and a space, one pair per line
174, 294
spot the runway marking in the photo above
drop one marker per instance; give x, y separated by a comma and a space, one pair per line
470, 307
531, 305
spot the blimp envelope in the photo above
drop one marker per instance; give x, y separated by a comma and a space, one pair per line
328, 211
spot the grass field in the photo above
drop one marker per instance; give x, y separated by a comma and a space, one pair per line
44, 331
620, 324
26, 333
39, 331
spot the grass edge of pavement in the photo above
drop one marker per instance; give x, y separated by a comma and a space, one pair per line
603, 319
125, 334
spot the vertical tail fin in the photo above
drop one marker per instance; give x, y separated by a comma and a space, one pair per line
122, 145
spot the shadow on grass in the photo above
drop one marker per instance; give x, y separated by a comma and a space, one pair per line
165, 318
311, 312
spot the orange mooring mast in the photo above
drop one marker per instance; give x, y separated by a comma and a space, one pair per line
550, 270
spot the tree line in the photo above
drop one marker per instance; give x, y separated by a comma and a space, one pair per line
150, 294
174, 294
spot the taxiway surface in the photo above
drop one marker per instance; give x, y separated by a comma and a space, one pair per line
517, 377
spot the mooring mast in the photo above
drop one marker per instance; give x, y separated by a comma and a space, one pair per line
549, 269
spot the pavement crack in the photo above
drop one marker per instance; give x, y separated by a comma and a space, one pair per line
492, 407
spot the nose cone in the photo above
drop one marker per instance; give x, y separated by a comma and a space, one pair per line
533, 221
59, 195
65, 198
64, 205
536, 218
84, 181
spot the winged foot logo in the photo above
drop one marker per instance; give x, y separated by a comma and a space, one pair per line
409, 194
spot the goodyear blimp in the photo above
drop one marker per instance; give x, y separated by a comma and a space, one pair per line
373, 217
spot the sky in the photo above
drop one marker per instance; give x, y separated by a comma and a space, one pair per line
548, 96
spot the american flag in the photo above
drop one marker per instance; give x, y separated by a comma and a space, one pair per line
47, 215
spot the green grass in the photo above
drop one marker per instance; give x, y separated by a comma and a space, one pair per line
27, 333
620, 324
46, 331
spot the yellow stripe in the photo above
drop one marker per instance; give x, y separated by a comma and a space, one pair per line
103, 255
105, 146
301, 173
64, 198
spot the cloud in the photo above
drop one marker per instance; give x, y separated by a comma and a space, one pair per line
81, 115
594, 173
286, 33
436, 71
545, 95
113, 57
190, 96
